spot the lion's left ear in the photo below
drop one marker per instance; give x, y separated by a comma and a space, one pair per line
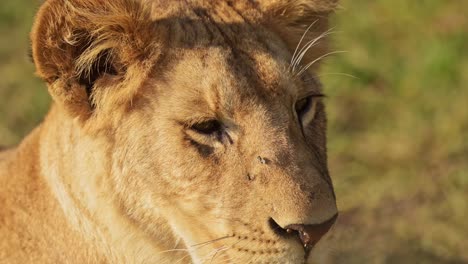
93, 53
291, 18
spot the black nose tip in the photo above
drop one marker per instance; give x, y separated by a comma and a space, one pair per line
311, 234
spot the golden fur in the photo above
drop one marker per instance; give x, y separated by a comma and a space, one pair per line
118, 171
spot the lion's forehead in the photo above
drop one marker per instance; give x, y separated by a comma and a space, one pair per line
232, 67
232, 25
231, 80
222, 55
205, 12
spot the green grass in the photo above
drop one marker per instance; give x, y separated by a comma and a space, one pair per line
23, 98
398, 129
398, 138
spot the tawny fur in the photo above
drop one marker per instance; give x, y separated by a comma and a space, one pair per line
117, 174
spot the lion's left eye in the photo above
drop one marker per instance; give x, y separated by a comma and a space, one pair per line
303, 105
305, 108
207, 127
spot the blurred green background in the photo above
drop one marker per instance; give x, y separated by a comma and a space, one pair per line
398, 124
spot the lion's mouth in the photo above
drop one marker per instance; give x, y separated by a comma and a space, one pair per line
307, 235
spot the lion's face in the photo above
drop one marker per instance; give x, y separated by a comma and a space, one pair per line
223, 138
228, 145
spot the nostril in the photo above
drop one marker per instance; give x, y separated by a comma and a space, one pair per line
277, 228
311, 234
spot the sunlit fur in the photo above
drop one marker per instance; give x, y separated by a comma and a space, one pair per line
115, 174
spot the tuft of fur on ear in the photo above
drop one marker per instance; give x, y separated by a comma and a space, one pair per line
77, 43
301, 19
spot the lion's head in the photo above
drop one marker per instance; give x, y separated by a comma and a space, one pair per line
212, 119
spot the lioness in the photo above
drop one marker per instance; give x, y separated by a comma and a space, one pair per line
181, 132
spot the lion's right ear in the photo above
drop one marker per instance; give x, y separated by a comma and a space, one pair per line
299, 22
79, 45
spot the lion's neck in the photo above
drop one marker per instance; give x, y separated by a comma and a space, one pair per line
76, 168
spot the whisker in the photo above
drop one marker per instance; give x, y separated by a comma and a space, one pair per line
169, 261
300, 42
225, 248
211, 241
309, 45
221, 249
196, 246
338, 73
217, 251
303, 69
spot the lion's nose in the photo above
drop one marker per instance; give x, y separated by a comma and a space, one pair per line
308, 234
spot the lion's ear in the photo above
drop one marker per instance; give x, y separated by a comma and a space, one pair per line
292, 18
78, 44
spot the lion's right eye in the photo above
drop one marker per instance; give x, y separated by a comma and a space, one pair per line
207, 127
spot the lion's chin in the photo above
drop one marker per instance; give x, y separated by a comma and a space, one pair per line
240, 255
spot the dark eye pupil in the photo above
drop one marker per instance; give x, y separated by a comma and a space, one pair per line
207, 127
302, 106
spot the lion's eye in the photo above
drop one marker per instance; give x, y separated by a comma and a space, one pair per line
305, 108
207, 127
303, 105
